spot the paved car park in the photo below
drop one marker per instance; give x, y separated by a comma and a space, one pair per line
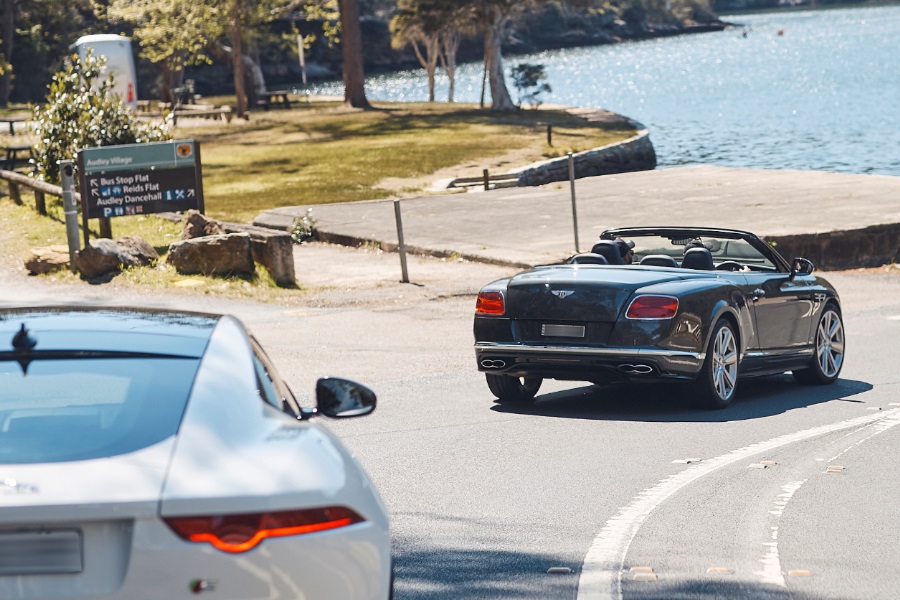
531, 226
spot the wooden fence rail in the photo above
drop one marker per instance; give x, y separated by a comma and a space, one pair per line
40, 188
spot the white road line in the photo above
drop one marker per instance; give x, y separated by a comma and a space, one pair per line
771, 572
601, 570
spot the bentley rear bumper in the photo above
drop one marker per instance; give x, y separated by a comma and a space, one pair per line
586, 363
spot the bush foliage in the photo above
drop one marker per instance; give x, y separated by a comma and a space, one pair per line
83, 111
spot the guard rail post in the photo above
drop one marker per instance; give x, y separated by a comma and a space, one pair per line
67, 172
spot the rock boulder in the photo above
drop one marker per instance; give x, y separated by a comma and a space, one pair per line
226, 255
196, 224
47, 259
106, 256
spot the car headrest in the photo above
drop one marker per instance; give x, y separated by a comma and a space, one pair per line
588, 258
698, 258
609, 250
659, 260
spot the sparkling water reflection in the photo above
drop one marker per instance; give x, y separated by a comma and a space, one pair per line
824, 95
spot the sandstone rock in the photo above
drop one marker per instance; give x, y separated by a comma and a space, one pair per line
134, 251
47, 259
197, 225
106, 256
100, 258
227, 254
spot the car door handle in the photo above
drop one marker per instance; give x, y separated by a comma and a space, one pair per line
758, 293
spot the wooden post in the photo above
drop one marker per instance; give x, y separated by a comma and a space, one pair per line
39, 203
549, 135
487, 179
105, 228
14, 192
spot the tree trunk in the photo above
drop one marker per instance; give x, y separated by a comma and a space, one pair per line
255, 78
449, 47
7, 30
493, 60
236, 57
351, 52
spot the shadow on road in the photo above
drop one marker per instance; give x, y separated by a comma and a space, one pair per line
756, 398
439, 573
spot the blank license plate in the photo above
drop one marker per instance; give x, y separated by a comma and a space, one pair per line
36, 552
575, 331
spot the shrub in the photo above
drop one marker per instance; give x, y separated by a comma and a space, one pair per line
83, 112
304, 228
530, 82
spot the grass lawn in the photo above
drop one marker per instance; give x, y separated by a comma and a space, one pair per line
322, 152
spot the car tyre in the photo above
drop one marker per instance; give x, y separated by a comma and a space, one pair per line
829, 350
718, 378
513, 389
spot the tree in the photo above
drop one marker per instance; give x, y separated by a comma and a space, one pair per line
171, 33
83, 112
351, 52
491, 17
530, 82
436, 26
7, 31
418, 23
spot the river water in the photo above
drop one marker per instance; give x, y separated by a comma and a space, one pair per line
823, 94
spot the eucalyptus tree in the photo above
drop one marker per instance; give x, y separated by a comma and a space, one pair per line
352, 55
492, 17
172, 33
418, 23
434, 29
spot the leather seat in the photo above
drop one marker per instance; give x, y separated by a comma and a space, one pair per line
699, 259
609, 250
659, 260
588, 258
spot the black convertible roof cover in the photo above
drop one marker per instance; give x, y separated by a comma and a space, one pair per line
677, 231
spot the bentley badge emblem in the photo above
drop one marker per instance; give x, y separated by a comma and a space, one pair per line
562, 294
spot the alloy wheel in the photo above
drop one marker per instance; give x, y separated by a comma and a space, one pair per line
830, 344
724, 367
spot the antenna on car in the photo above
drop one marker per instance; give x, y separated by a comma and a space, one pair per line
23, 340
23, 343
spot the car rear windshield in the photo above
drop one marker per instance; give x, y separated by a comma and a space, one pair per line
66, 409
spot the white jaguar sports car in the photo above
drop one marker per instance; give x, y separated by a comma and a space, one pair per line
157, 454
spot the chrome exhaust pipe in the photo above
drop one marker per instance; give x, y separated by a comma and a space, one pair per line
636, 369
493, 363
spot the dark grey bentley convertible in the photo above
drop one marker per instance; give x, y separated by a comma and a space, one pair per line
698, 305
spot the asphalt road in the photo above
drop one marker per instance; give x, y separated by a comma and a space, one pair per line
597, 481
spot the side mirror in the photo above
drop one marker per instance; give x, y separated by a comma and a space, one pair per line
342, 398
801, 266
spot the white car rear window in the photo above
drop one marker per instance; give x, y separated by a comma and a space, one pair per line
65, 409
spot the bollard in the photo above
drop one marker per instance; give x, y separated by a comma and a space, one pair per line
401, 243
572, 186
67, 173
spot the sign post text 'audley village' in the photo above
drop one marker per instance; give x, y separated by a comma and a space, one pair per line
139, 179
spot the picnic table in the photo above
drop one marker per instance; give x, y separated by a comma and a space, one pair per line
267, 99
16, 154
12, 119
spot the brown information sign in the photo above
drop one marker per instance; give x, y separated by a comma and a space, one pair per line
136, 179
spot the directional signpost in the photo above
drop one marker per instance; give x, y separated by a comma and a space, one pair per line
139, 179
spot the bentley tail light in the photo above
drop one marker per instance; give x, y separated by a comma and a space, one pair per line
652, 307
490, 303
242, 532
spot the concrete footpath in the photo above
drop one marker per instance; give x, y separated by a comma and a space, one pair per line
836, 220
